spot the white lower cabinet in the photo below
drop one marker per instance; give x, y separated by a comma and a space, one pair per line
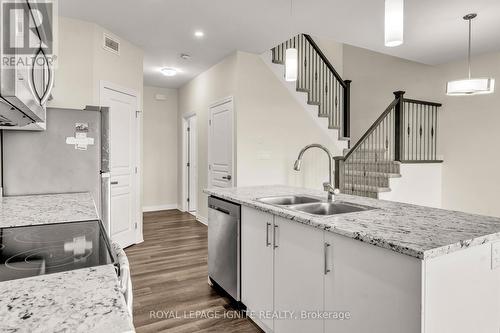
257, 265
298, 277
292, 272
282, 272
289, 268
379, 288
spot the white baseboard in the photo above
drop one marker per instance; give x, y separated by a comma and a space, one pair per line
202, 219
146, 209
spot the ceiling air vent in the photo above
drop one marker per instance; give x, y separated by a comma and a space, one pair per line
111, 44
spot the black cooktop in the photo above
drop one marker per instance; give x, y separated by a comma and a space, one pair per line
51, 248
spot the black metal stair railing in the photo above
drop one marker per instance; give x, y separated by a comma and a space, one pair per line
318, 78
406, 132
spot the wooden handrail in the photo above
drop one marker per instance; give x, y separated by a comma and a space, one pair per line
372, 127
325, 59
416, 101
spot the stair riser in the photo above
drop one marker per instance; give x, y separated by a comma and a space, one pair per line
377, 182
374, 167
373, 195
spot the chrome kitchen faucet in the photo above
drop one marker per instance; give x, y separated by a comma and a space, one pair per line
327, 186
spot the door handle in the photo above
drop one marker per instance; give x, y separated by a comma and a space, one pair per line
274, 236
115, 182
327, 245
228, 177
268, 243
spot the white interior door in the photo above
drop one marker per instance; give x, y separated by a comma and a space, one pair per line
123, 162
221, 144
192, 164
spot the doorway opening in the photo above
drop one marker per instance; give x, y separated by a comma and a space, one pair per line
191, 164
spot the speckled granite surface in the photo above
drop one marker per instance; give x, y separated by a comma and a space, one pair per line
83, 300
417, 231
50, 208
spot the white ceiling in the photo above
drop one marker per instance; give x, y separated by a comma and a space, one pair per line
434, 30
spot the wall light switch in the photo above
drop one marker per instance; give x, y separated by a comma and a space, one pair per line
495, 255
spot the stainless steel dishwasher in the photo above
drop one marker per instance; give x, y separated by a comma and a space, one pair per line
224, 245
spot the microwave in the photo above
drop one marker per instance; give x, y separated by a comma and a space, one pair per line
26, 81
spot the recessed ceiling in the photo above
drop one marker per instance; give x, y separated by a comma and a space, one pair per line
434, 30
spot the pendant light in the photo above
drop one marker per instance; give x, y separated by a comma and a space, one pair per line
394, 22
470, 86
291, 56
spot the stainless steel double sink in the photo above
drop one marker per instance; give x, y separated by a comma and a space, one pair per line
312, 205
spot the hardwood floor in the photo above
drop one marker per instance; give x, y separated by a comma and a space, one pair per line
169, 277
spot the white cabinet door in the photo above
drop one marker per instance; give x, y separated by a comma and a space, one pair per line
378, 287
257, 263
298, 276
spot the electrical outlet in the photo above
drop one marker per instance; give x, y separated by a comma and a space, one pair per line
495, 255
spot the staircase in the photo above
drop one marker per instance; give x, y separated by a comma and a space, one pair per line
404, 133
320, 81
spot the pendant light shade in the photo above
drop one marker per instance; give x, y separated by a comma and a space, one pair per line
291, 55
470, 86
394, 22
291, 64
484, 85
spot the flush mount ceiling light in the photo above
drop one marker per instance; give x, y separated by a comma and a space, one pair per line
168, 71
291, 57
394, 22
199, 34
470, 86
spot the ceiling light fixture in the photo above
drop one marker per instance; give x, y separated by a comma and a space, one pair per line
470, 86
394, 22
199, 34
291, 56
169, 71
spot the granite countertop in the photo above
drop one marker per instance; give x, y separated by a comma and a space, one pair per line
47, 208
417, 231
82, 300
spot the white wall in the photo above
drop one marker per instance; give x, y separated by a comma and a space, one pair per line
82, 63
375, 77
272, 127
468, 134
195, 97
420, 184
160, 149
470, 140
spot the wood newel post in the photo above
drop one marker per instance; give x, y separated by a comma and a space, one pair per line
346, 129
339, 172
398, 126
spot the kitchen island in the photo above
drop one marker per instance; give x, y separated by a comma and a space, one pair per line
80, 300
393, 267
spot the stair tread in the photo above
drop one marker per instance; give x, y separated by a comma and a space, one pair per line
368, 150
374, 173
367, 188
354, 161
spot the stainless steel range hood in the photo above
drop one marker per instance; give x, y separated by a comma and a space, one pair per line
18, 104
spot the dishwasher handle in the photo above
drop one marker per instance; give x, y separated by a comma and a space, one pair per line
224, 207
219, 209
